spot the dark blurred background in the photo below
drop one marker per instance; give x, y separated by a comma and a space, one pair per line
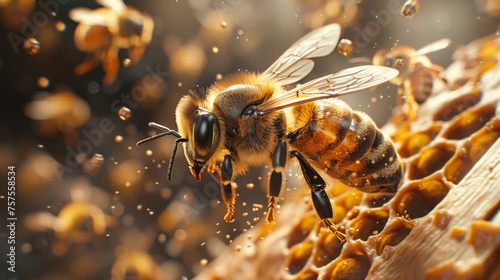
81, 216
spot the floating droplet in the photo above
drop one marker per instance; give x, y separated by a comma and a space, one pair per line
240, 32
344, 47
215, 49
218, 76
179, 84
204, 262
31, 45
43, 82
238, 248
124, 113
410, 8
149, 153
126, 62
118, 138
223, 24
60, 26
399, 62
250, 186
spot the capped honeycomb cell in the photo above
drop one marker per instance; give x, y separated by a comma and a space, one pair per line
395, 232
352, 264
302, 229
369, 222
469, 122
456, 106
327, 249
471, 151
418, 198
413, 142
299, 255
430, 160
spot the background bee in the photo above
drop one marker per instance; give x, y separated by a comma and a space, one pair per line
249, 119
416, 71
102, 32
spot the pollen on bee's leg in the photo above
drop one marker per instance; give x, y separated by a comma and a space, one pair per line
271, 216
228, 218
340, 235
229, 197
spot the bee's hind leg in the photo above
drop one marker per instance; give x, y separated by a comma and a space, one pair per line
275, 182
319, 197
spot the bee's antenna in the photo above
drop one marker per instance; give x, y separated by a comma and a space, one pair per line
167, 131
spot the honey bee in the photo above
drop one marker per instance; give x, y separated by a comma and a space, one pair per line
102, 32
249, 119
416, 71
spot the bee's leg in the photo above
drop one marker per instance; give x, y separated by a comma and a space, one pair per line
319, 197
228, 192
274, 187
111, 65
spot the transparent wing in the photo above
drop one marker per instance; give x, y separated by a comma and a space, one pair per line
114, 5
433, 47
88, 16
344, 82
294, 64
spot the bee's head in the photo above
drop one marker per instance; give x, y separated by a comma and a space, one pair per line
201, 128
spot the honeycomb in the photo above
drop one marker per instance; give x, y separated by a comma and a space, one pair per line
441, 224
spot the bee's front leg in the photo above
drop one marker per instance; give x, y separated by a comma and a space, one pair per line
228, 192
275, 182
319, 197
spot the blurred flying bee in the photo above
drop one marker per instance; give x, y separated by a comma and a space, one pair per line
102, 32
416, 71
248, 119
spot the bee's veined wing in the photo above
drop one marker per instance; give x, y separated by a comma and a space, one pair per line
294, 64
114, 5
433, 47
341, 83
88, 16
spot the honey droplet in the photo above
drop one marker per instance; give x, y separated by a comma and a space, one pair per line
215, 49
31, 45
60, 26
126, 62
344, 47
218, 76
223, 24
204, 262
124, 113
149, 153
43, 82
410, 8
118, 138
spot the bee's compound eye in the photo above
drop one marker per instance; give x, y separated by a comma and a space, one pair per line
203, 133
